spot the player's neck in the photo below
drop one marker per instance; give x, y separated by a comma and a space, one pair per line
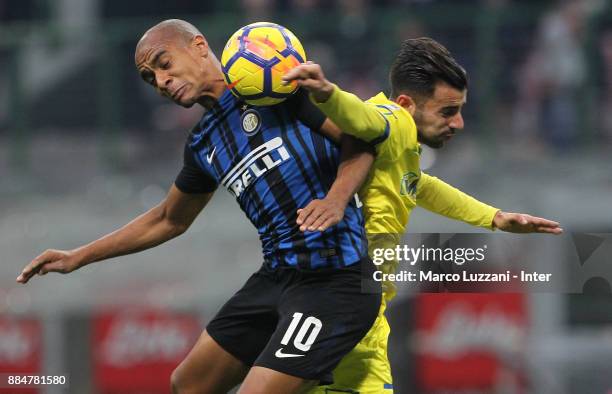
211, 97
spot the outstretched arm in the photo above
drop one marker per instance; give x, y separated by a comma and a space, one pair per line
352, 115
439, 197
356, 158
523, 223
167, 220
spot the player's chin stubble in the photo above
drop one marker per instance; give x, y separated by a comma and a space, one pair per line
430, 142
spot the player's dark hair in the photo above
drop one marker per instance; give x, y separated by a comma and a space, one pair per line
420, 64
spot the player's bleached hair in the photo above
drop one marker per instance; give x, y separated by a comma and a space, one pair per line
420, 64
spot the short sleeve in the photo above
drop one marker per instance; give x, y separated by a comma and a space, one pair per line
305, 111
192, 179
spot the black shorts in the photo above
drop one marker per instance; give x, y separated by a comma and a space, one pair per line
299, 322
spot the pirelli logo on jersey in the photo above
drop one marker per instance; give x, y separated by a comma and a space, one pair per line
259, 161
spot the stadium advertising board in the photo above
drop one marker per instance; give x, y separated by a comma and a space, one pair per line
469, 341
136, 351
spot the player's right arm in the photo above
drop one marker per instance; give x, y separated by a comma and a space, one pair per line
439, 197
346, 110
356, 159
192, 190
167, 220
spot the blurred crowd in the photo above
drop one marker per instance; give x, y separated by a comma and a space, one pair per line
553, 79
540, 71
77, 123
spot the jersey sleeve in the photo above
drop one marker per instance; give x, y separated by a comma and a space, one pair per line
355, 117
439, 197
192, 179
305, 111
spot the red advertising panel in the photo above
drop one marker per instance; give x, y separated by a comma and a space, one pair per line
20, 351
470, 341
136, 351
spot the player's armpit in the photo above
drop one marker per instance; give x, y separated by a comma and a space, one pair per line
181, 209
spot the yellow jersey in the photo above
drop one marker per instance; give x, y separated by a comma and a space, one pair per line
396, 184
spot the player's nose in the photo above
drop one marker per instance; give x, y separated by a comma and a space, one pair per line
162, 80
456, 122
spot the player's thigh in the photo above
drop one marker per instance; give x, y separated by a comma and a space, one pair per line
246, 321
262, 380
366, 369
322, 316
208, 368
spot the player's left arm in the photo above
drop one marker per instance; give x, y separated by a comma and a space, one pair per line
351, 114
439, 197
356, 159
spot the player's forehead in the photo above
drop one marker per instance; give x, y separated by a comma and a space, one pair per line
149, 51
445, 95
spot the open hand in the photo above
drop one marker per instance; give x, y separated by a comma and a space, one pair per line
49, 261
319, 215
310, 76
523, 223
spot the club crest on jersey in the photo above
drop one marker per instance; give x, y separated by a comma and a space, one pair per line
408, 184
251, 122
259, 161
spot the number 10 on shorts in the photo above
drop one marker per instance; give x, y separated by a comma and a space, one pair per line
299, 342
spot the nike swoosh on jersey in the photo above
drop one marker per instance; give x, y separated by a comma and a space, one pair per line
279, 353
209, 157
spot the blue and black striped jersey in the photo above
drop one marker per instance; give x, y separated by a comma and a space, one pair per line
273, 163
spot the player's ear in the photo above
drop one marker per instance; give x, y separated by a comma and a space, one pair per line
201, 45
407, 102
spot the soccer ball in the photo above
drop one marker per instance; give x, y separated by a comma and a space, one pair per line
256, 57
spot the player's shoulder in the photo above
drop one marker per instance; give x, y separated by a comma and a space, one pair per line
297, 100
381, 100
402, 129
391, 110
